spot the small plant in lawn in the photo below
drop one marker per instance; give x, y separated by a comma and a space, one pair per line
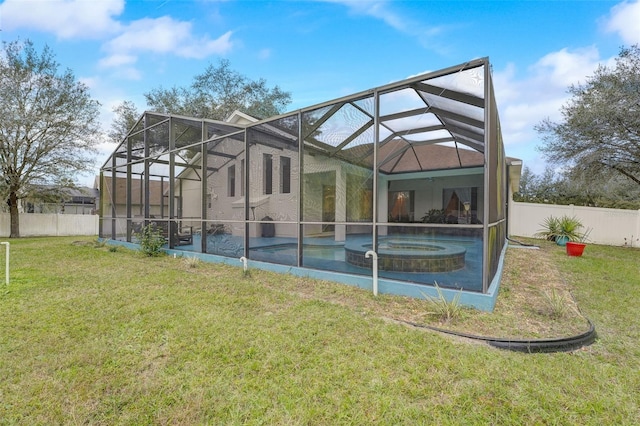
557, 303
113, 249
445, 310
191, 261
151, 240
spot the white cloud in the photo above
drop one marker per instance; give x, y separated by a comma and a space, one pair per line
163, 35
128, 73
624, 19
264, 54
90, 82
166, 35
563, 68
117, 60
64, 18
379, 9
525, 100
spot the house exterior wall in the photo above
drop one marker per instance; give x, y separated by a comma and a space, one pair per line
191, 198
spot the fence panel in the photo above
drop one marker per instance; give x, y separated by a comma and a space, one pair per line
608, 226
38, 225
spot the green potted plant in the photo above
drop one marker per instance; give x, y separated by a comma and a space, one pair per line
550, 229
561, 229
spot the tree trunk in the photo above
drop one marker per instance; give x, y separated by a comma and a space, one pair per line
15, 216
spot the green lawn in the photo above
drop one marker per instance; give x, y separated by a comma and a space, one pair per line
92, 336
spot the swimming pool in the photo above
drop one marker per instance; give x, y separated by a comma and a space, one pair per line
326, 254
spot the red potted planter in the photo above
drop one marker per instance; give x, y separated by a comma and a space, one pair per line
575, 249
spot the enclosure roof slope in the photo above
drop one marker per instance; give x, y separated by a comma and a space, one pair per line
451, 107
154, 120
408, 119
426, 157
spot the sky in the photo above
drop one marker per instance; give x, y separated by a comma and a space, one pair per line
326, 49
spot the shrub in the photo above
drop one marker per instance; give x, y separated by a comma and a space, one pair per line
565, 226
550, 228
434, 216
151, 240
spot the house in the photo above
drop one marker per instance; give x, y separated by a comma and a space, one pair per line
79, 200
414, 172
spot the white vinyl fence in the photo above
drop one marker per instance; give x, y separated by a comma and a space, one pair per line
607, 226
43, 224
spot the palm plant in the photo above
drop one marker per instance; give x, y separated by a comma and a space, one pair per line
554, 228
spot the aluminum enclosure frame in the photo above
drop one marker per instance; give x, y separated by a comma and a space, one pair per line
440, 126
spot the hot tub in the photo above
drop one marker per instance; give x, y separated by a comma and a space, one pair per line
408, 255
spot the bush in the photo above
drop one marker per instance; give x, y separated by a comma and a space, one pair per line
565, 226
434, 216
151, 240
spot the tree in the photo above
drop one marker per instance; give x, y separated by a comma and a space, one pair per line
126, 115
599, 136
538, 189
528, 186
217, 92
566, 188
48, 124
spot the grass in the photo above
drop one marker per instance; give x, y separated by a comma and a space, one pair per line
92, 336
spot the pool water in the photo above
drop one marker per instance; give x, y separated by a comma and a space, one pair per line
325, 254
291, 250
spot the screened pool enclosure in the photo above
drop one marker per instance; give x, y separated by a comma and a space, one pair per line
414, 171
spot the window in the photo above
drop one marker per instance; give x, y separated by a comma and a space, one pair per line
285, 175
359, 198
267, 173
460, 204
401, 206
231, 181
